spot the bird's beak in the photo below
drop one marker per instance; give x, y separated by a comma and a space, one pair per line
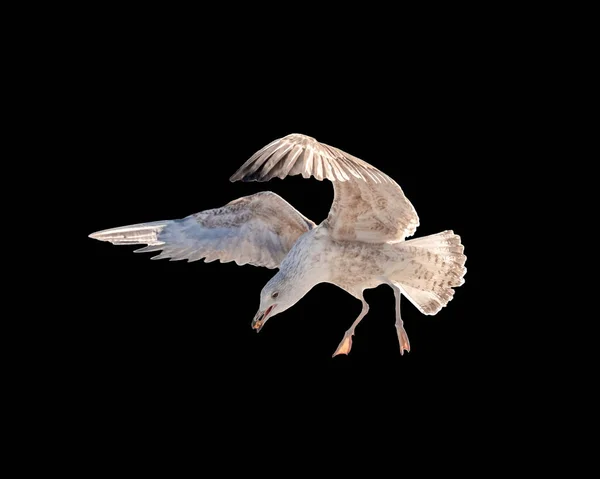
261, 318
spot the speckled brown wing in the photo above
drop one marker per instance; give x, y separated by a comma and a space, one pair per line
368, 205
259, 229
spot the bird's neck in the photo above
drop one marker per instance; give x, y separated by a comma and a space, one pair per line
307, 261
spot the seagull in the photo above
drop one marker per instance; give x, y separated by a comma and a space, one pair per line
360, 245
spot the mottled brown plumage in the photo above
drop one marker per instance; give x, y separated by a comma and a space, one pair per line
368, 205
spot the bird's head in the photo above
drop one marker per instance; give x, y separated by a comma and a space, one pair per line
279, 294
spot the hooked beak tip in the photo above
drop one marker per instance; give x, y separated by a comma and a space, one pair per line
257, 324
260, 319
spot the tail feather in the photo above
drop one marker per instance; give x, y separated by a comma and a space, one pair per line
428, 270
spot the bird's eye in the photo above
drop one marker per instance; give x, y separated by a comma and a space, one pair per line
274, 295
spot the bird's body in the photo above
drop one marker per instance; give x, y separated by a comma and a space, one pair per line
347, 264
359, 246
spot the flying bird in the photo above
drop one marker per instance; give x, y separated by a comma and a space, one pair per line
360, 245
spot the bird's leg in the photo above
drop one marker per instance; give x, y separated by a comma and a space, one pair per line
402, 336
346, 344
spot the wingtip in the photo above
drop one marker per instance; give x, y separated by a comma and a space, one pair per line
246, 177
241, 176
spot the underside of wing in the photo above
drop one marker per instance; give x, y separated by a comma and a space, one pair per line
259, 229
368, 205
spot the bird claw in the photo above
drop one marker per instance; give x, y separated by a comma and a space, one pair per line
403, 338
344, 346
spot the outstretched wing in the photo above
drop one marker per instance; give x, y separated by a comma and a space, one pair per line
259, 229
368, 205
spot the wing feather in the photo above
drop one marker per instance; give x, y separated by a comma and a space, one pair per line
312, 164
259, 229
368, 205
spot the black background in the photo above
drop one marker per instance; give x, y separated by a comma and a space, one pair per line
143, 114
160, 121
164, 155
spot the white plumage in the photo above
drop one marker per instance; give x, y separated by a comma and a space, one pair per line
360, 245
